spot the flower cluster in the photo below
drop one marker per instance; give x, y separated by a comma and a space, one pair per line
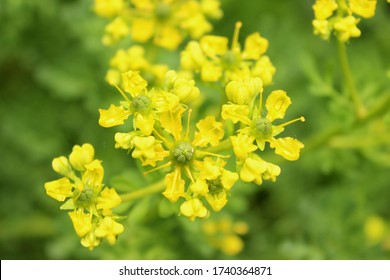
225, 235
83, 191
212, 58
164, 22
158, 136
134, 58
257, 128
341, 17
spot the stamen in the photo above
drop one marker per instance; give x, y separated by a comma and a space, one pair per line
187, 169
260, 103
158, 167
236, 34
211, 154
122, 93
188, 124
166, 141
302, 119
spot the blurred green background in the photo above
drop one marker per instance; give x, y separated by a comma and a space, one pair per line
52, 67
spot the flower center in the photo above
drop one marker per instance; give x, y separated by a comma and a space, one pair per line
262, 128
230, 59
84, 198
183, 152
215, 186
140, 103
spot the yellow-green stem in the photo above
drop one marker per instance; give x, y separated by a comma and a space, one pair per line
151, 189
348, 79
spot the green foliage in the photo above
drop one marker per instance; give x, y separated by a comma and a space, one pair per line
52, 67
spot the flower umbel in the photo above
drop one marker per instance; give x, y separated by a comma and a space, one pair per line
91, 201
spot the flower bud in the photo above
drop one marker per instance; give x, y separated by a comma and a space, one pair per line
241, 92
62, 166
186, 90
81, 156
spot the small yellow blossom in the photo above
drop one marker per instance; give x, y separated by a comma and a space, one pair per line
241, 92
323, 9
109, 229
363, 8
175, 185
212, 58
260, 129
231, 245
322, 28
166, 23
193, 208
374, 229
81, 156
108, 199
115, 31
108, 8
346, 28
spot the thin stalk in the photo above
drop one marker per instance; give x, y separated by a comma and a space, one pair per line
348, 79
151, 189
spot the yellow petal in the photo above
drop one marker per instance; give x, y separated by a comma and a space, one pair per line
210, 72
133, 83
363, 8
142, 29
243, 145
217, 200
264, 69
81, 156
174, 185
200, 187
59, 189
324, 9
252, 169
228, 179
171, 121
209, 132
255, 46
144, 122
115, 115
214, 45
236, 113
287, 147
109, 229
168, 37
94, 174
108, 199
277, 104
82, 222
194, 208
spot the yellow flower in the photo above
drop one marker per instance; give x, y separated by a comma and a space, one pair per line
84, 193
62, 166
60, 189
261, 129
255, 169
108, 8
346, 28
322, 28
90, 240
212, 58
374, 229
109, 229
264, 70
166, 23
81, 156
115, 31
323, 9
231, 245
194, 208
363, 8
108, 199
82, 222
242, 91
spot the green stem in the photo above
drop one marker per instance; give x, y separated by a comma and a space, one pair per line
319, 140
151, 189
348, 78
